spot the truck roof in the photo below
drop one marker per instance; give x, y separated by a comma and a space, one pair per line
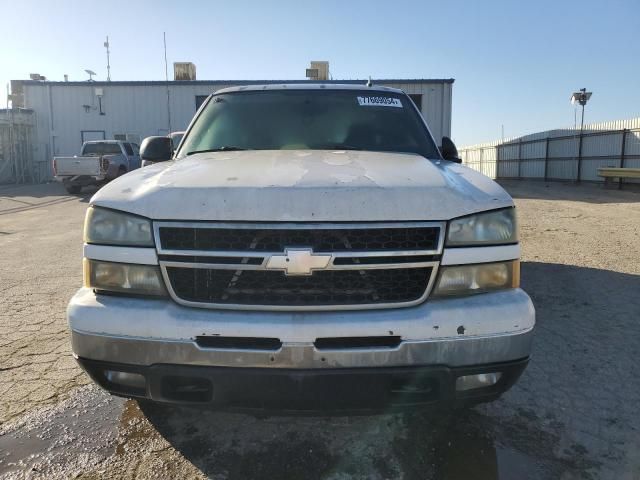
310, 86
105, 141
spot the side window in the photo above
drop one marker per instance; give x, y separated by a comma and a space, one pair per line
200, 100
136, 148
128, 148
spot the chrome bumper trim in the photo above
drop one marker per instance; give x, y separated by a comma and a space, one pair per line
452, 352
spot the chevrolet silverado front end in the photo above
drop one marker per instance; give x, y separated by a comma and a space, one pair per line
306, 249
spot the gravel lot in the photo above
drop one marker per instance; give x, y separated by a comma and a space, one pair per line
572, 415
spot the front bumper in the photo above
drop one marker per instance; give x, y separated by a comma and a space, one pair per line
352, 390
440, 340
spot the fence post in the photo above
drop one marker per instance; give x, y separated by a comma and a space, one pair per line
622, 153
546, 159
519, 158
481, 155
497, 147
579, 158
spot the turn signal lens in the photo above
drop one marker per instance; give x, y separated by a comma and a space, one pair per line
477, 278
123, 277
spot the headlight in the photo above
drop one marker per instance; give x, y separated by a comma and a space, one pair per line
109, 227
491, 228
478, 278
123, 277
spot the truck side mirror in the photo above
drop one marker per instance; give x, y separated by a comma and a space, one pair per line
156, 149
449, 151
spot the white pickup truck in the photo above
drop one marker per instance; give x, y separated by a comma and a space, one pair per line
306, 248
99, 162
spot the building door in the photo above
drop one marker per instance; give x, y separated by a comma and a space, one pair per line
417, 99
200, 100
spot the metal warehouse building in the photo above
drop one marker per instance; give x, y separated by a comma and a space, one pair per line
64, 114
561, 154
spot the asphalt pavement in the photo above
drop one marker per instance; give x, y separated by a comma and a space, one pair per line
573, 414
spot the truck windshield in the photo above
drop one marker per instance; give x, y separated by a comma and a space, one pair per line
101, 149
310, 119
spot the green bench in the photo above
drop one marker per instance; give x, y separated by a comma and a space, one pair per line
609, 173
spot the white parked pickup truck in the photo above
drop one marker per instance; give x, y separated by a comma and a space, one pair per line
306, 248
99, 162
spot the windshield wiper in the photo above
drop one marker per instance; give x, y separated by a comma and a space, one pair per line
336, 146
226, 148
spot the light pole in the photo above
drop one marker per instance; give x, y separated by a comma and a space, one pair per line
581, 97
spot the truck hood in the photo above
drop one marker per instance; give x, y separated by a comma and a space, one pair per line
303, 185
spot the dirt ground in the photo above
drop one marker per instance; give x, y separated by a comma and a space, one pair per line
573, 414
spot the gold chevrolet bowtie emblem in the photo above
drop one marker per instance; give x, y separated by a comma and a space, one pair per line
298, 261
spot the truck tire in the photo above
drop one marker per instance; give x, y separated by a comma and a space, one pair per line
73, 189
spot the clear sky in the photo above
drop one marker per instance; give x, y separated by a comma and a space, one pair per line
515, 63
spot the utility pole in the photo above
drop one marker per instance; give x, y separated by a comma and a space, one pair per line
106, 45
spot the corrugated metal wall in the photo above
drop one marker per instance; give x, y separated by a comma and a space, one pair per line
64, 110
436, 104
558, 154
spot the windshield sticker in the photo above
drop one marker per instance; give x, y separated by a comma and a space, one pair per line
379, 102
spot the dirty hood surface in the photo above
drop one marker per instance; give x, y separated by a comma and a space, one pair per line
303, 185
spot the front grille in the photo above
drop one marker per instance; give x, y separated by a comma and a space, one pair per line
274, 288
262, 266
320, 240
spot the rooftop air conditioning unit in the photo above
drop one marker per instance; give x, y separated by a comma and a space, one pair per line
319, 70
184, 71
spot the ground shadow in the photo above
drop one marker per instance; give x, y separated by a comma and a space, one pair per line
40, 190
413, 446
503, 440
51, 190
20, 198
571, 191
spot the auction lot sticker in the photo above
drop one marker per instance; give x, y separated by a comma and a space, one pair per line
379, 102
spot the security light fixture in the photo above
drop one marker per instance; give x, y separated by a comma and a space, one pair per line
581, 97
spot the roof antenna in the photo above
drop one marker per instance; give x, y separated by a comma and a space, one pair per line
370, 82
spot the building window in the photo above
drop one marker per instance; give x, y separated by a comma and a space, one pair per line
127, 137
200, 100
87, 135
417, 99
